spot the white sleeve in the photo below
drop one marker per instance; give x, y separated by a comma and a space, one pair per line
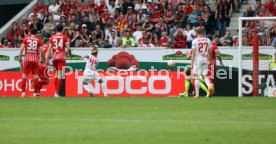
194, 44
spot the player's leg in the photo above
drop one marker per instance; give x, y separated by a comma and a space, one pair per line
42, 82
55, 65
208, 80
60, 72
187, 87
87, 86
26, 71
197, 72
98, 78
35, 71
103, 87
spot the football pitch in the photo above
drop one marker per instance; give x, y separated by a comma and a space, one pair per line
137, 120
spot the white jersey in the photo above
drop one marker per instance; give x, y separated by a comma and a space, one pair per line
202, 46
91, 63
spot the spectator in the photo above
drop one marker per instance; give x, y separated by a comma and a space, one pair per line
164, 40
190, 33
78, 40
248, 32
160, 27
143, 15
5, 43
258, 7
227, 40
40, 6
134, 23
105, 16
223, 14
93, 14
156, 16
145, 41
85, 32
128, 41
180, 16
271, 7
15, 31
263, 12
209, 18
148, 25
138, 33
108, 30
92, 5
119, 42
112, 7
248, 13
169, 17
173, 30
139, 5
180, 39
121, 24
102, 7
105, 44
81, 43
97, 35
126, 4
188, 8
36, 24
49, 26
58, 15
155, 39
53, 8
192, 18
113, 39
117, 14
217, 40
129, 15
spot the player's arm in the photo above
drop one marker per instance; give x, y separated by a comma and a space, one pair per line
210, 55
194, 48
68, 48
219, 57
20, 55
48, 53
85, 56
42, 54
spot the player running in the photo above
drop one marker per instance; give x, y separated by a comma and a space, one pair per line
201, 59
58, 45
90, 72
32, 47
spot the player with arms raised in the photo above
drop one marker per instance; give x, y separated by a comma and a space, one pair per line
58, 45
201, 58
90, 72
32, 46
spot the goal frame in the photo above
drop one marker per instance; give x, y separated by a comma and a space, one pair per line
241, 19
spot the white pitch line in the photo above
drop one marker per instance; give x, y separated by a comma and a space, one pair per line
138, 121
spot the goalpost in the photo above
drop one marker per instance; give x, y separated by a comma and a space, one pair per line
255, 52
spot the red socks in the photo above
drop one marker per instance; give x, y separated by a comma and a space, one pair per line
58, 85
23, 85
36, 86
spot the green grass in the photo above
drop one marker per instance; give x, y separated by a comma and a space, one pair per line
137, 121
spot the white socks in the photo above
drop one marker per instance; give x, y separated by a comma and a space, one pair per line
197, 86
104, 89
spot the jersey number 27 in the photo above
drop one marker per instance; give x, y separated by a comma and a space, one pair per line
202, 47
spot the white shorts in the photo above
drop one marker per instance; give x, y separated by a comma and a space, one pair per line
200, 69
89, 75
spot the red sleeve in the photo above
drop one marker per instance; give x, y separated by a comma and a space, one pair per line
25, 41
66, 39
40, 43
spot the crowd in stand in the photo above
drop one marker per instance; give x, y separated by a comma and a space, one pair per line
137, 23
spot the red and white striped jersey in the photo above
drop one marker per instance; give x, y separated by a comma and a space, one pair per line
58, 42
91, 63
32, 46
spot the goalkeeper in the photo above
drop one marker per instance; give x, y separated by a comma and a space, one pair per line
189, 79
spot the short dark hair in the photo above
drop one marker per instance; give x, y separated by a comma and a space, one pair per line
59, 27
34, 31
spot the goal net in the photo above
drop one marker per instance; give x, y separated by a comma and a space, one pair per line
256, 56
